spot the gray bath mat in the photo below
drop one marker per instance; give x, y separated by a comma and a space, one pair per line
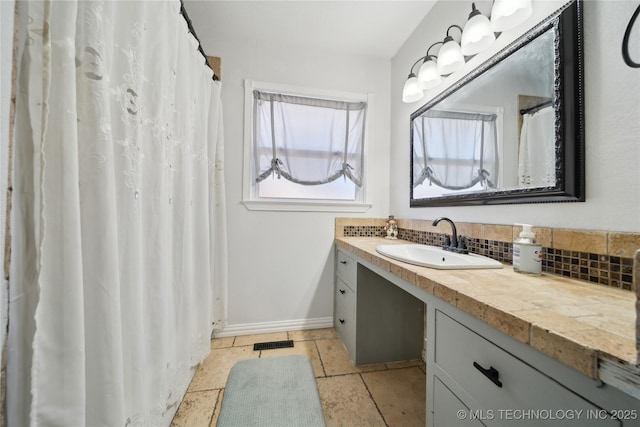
271, 392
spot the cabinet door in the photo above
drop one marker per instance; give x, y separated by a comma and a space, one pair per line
448, 410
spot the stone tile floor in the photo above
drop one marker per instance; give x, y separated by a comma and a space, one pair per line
390, 394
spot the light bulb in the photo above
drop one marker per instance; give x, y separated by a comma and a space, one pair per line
428, 75
508, 14
477, 34
449, 57
411, 91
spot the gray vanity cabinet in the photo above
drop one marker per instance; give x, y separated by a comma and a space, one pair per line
476, 375
376, 321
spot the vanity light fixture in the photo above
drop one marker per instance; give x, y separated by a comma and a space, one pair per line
508, 14
450, 56
428, 75
477, 34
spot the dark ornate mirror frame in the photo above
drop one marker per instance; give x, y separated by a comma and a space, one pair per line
569, 123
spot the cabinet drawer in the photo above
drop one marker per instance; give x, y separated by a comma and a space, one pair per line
345, 316
345, 298
447, 408
462, 353
347, 268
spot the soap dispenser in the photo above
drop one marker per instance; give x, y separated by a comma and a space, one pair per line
527, 254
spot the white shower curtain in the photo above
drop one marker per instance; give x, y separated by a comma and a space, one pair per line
537, 153
118, 271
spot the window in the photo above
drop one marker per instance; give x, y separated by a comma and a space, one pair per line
304, 149
455, 150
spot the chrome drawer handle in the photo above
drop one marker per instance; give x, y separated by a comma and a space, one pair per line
491, 373
341, 321
343, 262
342, 291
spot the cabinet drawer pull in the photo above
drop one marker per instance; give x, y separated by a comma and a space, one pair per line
341, 321
491, 373
342, 291
343, 262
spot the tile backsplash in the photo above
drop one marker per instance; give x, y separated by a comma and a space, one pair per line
604, 258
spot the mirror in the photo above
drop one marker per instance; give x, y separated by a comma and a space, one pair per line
512, 131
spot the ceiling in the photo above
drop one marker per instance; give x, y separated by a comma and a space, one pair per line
369, 28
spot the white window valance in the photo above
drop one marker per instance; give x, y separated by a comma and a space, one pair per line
309, 141
455, 150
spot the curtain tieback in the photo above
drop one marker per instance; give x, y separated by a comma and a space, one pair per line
346, 172
428, 173
484, 177
275, 166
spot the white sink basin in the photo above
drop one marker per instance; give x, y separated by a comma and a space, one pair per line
435, 257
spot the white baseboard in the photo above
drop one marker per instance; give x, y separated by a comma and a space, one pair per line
268, 327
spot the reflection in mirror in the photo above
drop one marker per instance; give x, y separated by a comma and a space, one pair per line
454, 150
508, 132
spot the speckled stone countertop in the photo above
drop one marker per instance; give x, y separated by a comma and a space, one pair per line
576, 323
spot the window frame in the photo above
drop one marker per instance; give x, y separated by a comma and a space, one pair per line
250, 197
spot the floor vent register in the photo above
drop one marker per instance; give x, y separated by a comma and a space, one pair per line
272, 345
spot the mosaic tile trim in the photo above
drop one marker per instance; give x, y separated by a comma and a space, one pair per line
364, 231
604, 270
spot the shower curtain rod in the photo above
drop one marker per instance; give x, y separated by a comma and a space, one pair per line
185, 15
535, 107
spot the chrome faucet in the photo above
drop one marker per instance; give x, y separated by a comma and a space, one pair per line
454, 244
